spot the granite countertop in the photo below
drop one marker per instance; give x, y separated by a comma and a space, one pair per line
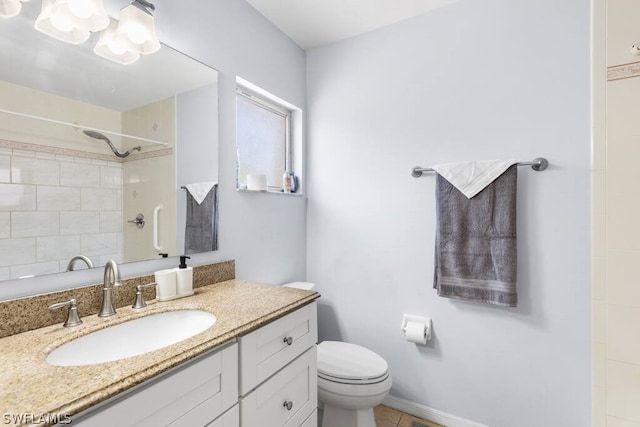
30, 387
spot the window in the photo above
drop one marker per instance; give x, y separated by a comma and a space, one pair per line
264, 138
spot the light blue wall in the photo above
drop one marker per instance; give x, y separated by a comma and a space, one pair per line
264, 233
476, 80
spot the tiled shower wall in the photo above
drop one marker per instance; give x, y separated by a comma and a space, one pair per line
54, 207
616, 229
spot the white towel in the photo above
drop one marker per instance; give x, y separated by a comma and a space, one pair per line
199, 190
472, 177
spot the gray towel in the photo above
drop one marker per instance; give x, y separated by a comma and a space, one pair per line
475, 255
201, 233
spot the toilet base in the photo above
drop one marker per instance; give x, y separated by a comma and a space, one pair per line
333, 416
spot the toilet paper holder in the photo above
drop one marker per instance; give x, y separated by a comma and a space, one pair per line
418, 319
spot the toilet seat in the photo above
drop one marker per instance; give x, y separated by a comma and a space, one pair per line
347, 363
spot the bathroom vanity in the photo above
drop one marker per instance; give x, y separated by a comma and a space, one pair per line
256, 366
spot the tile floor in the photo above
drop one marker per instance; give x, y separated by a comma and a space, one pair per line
389, 417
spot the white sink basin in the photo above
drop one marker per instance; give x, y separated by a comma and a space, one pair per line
132, 338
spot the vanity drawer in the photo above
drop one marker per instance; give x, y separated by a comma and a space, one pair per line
286, 399
265, 351
192, 395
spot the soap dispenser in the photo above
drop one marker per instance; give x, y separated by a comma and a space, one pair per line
184, 277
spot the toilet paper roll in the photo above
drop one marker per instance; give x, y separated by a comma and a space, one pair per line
416, 332
256, 182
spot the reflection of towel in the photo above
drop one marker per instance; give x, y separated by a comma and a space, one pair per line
471, 177
201, 233
199, 190
475, 254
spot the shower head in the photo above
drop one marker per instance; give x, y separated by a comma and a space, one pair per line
98, 135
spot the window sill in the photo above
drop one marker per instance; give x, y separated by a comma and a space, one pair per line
244, 190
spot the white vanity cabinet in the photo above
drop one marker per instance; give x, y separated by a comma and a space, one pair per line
278, 372
268, 378
194, 394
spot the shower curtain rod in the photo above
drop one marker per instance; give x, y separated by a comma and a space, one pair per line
538, 164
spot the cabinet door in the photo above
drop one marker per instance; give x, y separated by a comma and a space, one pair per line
192, 395
265, 351
286, 399
312, 421
231, 418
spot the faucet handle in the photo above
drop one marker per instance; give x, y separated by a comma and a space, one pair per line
72, 318
140, 303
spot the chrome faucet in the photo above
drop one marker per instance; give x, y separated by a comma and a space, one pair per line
111, 279
83, 258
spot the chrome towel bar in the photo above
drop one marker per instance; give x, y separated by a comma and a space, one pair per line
538, 164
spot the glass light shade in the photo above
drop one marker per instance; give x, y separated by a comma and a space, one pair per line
136, 29
58, 27
10, 8
108, 47
84, 14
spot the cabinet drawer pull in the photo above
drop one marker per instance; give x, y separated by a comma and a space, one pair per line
288, 340
288, 404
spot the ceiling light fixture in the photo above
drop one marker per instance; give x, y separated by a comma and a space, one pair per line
84, 14
10, 8
59, 27
108, 47
136, 28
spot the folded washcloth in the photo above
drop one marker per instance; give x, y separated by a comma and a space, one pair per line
471, 177
199, 190
475, 253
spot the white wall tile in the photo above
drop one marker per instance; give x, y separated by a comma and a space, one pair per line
79, 222
5, 273
619, 422
99, 244
79, 174
623, 390
623, 341
58, 198
17, 197
5, 225
17, 251
623, 34
599, 408
623, 230
5, 168
58, 247
38, 269
94, 199
27, 170
623, 277
117, 257
110, 177
111, 222
599, 321
34, 224
599, 360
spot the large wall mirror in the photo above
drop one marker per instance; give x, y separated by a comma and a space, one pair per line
92, 151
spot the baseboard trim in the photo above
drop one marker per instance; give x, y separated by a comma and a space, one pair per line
421, 411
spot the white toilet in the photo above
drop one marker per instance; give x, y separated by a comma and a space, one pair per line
351, 381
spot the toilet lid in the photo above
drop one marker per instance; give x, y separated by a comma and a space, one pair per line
347, 361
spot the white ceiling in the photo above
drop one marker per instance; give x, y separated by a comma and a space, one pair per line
313, 23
